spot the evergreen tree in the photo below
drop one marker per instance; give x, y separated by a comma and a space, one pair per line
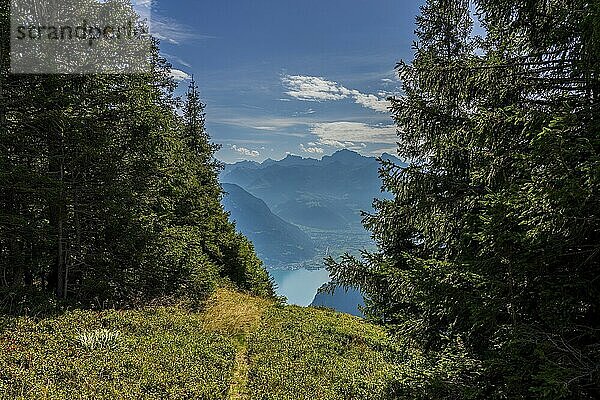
107, 194
203, 245
489, 253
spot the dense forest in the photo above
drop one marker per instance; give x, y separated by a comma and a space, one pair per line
109, 192
490, 252
485, 285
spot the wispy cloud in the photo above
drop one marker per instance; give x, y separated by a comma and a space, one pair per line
307, 112
180, 75
353, 134
169, 30
312, 88
173, 58
253, 141
245, 152
312, 150
143, 8
272, 124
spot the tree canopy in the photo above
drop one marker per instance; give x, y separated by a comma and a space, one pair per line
489, 252
109, 191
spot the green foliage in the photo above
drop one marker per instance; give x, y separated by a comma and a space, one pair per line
158, 354
313, 354
185, 266
245, 269
108, 194
489, 250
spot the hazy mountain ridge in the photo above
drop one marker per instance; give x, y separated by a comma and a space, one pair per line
327, 194
275, 240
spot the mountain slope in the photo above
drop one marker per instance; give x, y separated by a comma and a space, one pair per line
326, 194
275, 240
237, 347
346, 301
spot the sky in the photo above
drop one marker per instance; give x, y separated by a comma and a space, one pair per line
303, 77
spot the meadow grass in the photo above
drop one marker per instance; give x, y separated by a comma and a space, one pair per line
156, 354
306, 354
236, 347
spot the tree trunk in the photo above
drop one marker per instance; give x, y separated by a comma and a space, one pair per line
56, 170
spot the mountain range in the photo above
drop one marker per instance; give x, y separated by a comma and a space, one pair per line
326, 194
298, 210
275, 240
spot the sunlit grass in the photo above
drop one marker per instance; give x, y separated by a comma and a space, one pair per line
237, 347
158, 354
233, 313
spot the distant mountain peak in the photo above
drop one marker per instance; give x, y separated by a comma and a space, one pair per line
248, 163
345, 156
293, 160
346, 151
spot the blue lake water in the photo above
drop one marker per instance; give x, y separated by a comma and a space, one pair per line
299, 286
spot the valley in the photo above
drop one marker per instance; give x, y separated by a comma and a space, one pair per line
297, 211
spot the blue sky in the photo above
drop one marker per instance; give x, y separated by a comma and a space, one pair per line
306, 77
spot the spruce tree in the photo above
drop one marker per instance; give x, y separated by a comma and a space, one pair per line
107, 195
489, 252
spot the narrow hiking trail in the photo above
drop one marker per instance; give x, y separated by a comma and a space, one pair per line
236, 347
236, 315
238, 390
284, 352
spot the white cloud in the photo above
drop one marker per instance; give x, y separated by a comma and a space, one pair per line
173, 58
312, 150
371, 101
312, 88
244, 151
353, 134
310, 111
179, 75
169, 30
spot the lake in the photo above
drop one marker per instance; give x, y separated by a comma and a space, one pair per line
299, 286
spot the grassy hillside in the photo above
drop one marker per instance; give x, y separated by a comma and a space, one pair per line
303, 353
275, 240
237, 347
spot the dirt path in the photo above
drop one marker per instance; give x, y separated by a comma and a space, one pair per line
238, 390
236, 315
